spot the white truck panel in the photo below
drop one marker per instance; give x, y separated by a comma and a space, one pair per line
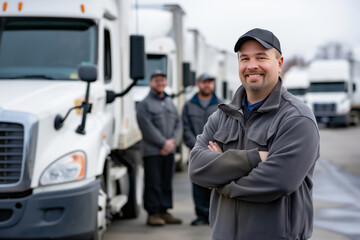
153, 23
296, 77
329, 70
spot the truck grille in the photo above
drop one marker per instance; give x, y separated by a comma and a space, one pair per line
321, 109
11, 152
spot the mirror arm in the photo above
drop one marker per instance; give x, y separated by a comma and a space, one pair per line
178, 94
86, 107
127, 89
110, 95
59, 120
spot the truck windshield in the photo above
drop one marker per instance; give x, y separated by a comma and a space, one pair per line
153, 62
328, 87
45, 48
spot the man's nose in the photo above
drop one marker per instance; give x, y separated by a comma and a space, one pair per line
252, 64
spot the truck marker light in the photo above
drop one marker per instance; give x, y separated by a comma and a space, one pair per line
82, 8
80, 159
104, 136
20, 6
4, 6
78, 102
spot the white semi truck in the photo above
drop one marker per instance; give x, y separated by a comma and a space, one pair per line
163, 28
334, 94
296, 80
69, 155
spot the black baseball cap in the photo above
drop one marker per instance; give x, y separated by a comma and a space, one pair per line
204, 77
157, 72
266, 38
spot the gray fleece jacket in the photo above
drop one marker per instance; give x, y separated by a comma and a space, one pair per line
194, 117
254, 200
158, 120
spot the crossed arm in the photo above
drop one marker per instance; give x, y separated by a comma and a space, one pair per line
213, 146
236, 173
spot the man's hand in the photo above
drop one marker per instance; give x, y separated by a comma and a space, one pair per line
168, 147
213, 146
263, 155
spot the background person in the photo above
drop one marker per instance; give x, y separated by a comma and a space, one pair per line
160, 125
258, 152
195, 114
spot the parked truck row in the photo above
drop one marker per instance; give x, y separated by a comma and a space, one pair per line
70, 157
183, 54
330, 87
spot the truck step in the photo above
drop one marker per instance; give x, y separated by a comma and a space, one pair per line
117, 203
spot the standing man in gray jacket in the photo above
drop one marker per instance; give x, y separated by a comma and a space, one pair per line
195, 114
160, 125
258, 152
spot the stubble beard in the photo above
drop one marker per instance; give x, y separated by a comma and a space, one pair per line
205, 93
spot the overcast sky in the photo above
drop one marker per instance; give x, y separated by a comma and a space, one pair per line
301, 25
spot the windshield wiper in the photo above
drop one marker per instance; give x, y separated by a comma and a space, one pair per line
34, 76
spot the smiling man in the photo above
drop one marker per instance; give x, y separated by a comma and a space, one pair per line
160, 125
258, 152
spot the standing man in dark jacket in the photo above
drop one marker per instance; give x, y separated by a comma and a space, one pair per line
258, 152
160, 125
195, 114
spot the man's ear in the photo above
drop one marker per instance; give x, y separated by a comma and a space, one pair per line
281, 62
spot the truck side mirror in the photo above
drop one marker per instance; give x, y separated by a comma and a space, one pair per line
87, 73
137, 57
186, 74
354, 87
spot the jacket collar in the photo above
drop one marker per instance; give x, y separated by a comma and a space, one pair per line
271, 102
214, 100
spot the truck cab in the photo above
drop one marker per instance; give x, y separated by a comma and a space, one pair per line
68, 155
296, 81
333, 93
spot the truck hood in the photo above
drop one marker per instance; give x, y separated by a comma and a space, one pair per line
39, 97
333, 97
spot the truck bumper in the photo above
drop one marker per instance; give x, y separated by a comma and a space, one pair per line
339, 119
69, 214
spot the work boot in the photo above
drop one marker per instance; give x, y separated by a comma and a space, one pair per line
155, 220
170, 219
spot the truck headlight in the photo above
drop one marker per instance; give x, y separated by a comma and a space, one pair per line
68, 168
343, 107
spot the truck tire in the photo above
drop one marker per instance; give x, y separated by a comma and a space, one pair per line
132, 207
131, 158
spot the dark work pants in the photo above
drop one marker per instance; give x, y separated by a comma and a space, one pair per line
201, 197
159, 171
